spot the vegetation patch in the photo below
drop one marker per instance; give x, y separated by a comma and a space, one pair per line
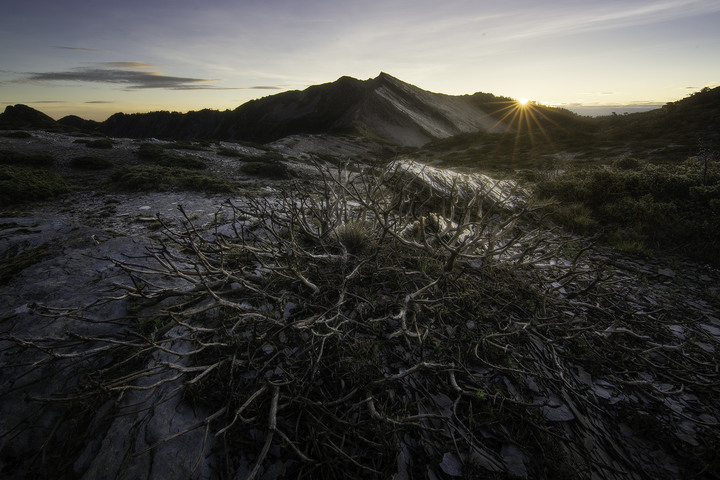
269, 165
38, 160
17, 134
160, 156
162, 178
18, 184
642, 206
90, 163
229, 152
276, 171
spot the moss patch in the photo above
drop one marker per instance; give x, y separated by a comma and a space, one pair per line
38, 160
90, 163
19, 184
162, 178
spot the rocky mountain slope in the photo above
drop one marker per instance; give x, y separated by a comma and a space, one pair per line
384, 107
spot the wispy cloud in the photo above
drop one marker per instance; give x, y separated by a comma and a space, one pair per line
128, 65
79, 49
99, 101
131, 79
135, 76
33, 102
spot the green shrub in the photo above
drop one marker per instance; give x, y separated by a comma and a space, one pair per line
354, 236
90, 163
39, 160
181, 161
18, 184
160, 178
658, 207
150, 151
276, 171
18, 134
577, 217
103, 143
627, 163
268, 165
229, 152
159, 154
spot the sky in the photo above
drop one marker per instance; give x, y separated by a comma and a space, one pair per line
97, 57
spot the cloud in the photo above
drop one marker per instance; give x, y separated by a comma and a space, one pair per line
135, 76
80, 49
128, 65
99, 101
131, 79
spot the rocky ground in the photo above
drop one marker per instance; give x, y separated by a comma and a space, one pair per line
62, 254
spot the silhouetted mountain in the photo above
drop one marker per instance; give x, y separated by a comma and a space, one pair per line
24, 117
75, 122
384, 107
387, 109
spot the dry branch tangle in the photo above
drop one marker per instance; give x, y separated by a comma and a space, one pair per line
316, 336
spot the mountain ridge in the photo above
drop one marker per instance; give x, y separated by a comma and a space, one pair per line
383, 107
388, 110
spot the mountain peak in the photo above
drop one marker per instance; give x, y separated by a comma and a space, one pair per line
22, 116
387, 78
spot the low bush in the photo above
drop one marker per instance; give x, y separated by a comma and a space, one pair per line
18, 185
150, 151
90, 163
18, 134
103, 143
667, 207
38, 160
627, 163
161, 178
276, 171
160, 156
268, 165
229, 152
181, 161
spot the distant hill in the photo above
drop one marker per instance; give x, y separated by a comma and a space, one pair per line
24, 117
75, 122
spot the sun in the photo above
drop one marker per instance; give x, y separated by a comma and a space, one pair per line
523, 102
